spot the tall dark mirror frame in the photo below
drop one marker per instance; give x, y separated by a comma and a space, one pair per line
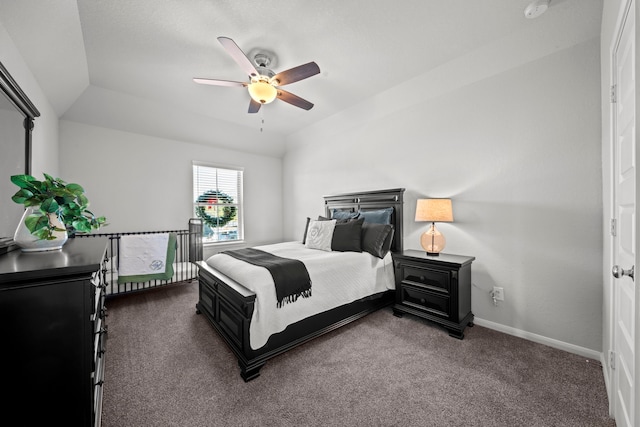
17, 120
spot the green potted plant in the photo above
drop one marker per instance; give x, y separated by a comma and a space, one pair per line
50, 199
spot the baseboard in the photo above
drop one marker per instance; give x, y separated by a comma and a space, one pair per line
561, 345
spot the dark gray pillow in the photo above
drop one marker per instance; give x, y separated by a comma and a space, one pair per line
347, 236
377, 239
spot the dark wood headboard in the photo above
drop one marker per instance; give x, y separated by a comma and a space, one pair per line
370, 201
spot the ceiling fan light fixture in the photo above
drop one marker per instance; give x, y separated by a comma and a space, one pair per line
261, 91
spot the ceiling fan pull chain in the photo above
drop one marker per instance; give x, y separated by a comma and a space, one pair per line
261, 120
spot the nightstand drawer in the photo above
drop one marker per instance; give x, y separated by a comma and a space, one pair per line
435, 280
425, 300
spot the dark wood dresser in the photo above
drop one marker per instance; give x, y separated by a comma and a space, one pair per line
436, 288
52, 335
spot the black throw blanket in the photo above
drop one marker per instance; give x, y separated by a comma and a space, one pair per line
289, 275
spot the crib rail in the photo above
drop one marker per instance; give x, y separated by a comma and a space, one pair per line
188, 251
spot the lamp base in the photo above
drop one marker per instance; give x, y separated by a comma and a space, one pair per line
432, 241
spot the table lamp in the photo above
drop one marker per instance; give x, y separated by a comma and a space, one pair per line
433, 210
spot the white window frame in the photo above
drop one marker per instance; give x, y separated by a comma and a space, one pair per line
239, 201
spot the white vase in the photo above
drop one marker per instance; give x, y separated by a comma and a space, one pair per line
30, 243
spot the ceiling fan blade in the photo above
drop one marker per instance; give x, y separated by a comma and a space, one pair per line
294, 100
296, 73
254, 106
238, 55
218, 82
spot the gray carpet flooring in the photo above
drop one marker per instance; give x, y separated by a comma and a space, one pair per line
166, 366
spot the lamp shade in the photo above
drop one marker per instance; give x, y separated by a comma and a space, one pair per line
434, 210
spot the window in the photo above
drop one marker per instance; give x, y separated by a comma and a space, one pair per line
217, 195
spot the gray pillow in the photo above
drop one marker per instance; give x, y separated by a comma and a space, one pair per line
342, 214
377, 239
380, 216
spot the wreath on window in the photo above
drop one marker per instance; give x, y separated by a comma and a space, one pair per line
217, 211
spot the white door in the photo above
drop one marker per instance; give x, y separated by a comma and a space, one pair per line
624, 243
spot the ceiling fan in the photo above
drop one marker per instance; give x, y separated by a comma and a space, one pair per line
264, 84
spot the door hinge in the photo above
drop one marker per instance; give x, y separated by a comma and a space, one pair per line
613, 94
612, 359
613, 227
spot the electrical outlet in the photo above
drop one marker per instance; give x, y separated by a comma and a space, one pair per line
498, 293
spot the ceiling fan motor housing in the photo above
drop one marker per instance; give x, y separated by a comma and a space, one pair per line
264, 71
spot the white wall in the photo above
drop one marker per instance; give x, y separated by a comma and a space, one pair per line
518, 151
144, 183
45, 133
44, 157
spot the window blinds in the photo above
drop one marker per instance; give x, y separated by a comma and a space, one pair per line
217, 196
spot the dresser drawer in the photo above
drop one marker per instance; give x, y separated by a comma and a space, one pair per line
427, 278
424, 300
98, 381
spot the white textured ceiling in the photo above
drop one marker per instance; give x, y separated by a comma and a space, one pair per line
129, 64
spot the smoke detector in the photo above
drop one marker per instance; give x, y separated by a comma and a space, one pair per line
536, 8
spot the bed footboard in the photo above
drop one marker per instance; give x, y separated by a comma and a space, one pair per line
229, 307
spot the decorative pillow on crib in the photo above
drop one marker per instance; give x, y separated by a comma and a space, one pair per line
377, 238
380, 216
320, 234
346, 235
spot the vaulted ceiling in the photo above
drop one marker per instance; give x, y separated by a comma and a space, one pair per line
129, 65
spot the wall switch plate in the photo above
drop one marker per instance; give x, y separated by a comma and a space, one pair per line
498, 293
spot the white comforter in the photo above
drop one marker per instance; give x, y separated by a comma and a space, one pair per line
337, 278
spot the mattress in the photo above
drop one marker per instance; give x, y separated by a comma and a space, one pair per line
337, 278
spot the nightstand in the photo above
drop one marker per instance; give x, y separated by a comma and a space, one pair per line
436, 288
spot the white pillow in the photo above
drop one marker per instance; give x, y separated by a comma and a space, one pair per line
320, 234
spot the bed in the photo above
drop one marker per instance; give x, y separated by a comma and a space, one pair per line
244, 312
